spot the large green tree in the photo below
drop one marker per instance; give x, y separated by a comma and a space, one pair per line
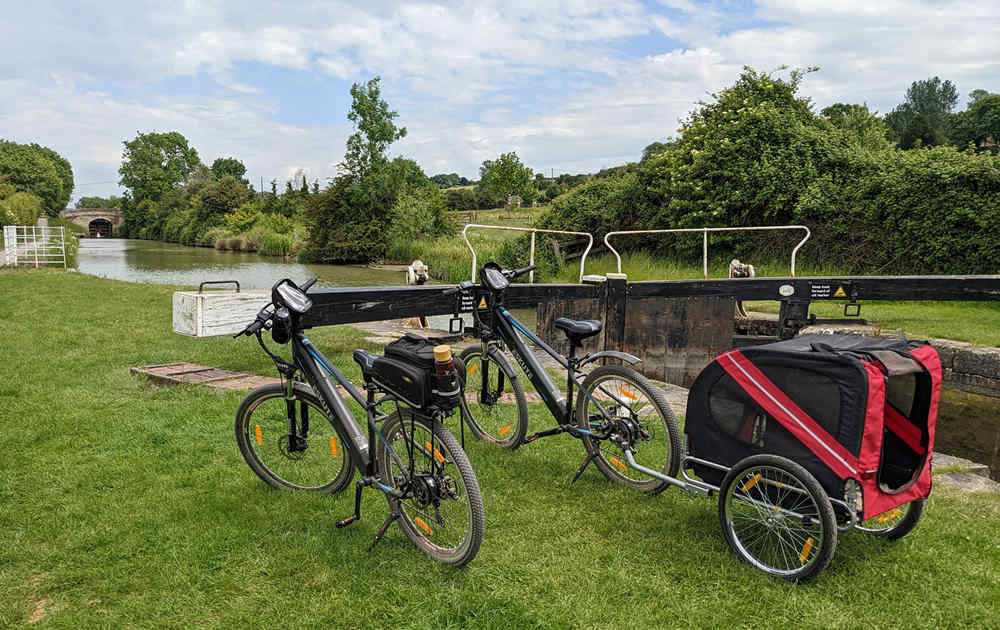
923, 118
979, 124
229, 166
374, 130
861, 126
154, 163
40, 171
506, 176
99, 202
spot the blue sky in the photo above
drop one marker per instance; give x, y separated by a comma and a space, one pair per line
571, 85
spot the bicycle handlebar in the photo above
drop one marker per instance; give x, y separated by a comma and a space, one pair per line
520, 272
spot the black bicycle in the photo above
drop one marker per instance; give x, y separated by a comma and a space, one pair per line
619, 413
417, 463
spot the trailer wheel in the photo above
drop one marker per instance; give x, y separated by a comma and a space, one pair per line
777, 517
895, 523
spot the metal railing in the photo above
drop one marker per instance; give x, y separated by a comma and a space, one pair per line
531, 257
705, 231
34, 245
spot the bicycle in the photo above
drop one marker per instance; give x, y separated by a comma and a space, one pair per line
621, 418
417, 463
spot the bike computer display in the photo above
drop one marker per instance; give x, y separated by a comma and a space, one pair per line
494, 277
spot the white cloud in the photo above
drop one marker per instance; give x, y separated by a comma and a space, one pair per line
557, 81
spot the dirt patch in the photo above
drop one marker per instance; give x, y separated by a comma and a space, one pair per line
40, 606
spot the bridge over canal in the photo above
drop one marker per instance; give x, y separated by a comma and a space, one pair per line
98, 221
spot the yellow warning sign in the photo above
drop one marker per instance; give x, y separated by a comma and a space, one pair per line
839, 292
482, 303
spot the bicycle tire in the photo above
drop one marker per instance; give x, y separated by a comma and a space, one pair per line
263, 439
663, 434
436, 454
490, 418
760, 502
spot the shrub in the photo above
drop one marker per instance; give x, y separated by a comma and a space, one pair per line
274, 244
20, 208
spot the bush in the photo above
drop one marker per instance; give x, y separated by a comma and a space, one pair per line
758, 155
274, 244
20, 208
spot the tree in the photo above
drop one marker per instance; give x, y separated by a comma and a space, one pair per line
223, 196
975, 95
99, 202
506, 176
37, 170
154, 163
655, 148
924, 115
229, 166
979, 124
374, 130
862, 127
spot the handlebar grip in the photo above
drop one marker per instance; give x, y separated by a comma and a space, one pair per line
521, 272
308, 283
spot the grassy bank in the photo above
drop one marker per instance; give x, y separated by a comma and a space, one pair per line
125, 504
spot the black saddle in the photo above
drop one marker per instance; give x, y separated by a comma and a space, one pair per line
365, 359
578, 329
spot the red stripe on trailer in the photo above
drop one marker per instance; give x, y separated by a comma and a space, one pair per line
790, 415
904, 429
870, 454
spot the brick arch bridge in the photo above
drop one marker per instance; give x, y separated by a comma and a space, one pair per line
97, 221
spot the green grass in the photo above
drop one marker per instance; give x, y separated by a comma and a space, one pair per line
124, 504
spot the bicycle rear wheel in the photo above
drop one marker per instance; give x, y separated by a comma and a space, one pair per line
301, 450
631, 405
495, 407
442, 512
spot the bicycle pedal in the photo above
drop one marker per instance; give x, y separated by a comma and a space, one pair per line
344, 522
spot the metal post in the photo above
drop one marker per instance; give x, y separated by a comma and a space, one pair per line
34, 238
531, 260
704, 253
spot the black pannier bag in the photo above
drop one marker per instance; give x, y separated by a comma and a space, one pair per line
843, 406
407, 371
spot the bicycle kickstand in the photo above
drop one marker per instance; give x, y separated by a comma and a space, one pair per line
344, 522
389, 520
586, 462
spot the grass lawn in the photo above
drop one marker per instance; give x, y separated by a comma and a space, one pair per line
123, 504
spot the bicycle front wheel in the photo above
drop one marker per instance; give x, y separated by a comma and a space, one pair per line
290, 443
495, 407
634, 407
442, 508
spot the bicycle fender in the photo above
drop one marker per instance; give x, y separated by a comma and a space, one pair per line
612, 354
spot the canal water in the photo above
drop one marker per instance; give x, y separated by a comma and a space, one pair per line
968, 425
153, 262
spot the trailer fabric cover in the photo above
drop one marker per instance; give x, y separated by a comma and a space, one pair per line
827, 402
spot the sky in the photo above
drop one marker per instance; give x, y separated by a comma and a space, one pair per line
571, 86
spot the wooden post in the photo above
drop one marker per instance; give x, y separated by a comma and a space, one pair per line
615, 308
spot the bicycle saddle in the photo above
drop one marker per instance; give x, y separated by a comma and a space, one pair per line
578, 329
365, 360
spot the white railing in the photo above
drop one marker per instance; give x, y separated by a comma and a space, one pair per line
531, 257
705, 231
34, 245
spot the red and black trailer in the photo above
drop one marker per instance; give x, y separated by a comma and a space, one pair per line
805, 437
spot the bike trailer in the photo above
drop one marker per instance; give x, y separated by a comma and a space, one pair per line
844, 407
